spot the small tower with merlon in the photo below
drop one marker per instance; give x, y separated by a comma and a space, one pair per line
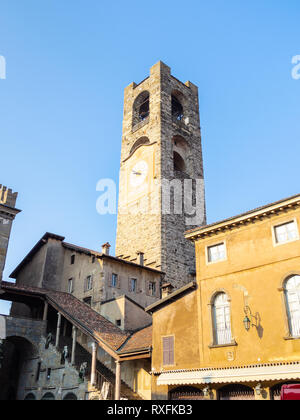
8, 213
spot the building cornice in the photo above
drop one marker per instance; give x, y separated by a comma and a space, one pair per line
250, 217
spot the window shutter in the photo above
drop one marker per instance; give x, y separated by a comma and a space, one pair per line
171, 350
118, 281
165, 351
168, 351
147, 288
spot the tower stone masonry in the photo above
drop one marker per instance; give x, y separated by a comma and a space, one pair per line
7, 214
161, 144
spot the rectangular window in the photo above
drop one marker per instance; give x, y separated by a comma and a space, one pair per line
286, 232
216, 253
114, 280
89, 283
70, 285
133, 285
152, 288
72, 259
118, 323
168, 351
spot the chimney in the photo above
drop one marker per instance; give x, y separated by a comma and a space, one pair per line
140, 257
166, 290
105, 248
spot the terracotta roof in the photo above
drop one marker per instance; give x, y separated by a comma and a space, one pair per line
171, 297
139, 340
99, 326
82, 315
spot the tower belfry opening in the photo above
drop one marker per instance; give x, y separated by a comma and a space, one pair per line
177, 109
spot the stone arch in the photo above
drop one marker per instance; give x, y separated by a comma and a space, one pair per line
285, 278
19, 354
48, 397
141, 108
216, 292
30, 397
181, 155
275, 390
70, 397
138, 143
236, 392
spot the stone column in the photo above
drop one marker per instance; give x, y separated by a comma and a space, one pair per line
94, 361
74, 331
45, 314
118, 381
58, 329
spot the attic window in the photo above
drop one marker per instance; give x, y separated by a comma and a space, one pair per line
72, 259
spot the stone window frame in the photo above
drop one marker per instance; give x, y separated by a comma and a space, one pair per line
277, 224
88, 283
71, 282
214, 343
216, 243
130, 285
111, 284
281, 289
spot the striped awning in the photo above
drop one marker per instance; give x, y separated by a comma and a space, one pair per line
231, 375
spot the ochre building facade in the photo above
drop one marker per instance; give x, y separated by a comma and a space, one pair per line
235, 333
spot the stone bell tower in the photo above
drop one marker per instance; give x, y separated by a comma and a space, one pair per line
161, 169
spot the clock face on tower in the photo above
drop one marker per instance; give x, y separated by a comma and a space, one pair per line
138, 173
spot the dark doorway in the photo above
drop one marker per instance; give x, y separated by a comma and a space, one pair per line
236, 392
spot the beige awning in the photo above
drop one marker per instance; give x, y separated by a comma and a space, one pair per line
232, 375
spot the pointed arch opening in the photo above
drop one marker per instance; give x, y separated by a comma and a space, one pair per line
141, 108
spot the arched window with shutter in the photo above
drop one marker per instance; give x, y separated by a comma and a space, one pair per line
221, 319
292, 296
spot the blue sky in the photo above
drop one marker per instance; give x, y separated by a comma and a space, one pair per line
61, 103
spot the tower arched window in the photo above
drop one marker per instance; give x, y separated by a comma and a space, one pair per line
179, 164
292, 296
221, 319
141, 108
177, 108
